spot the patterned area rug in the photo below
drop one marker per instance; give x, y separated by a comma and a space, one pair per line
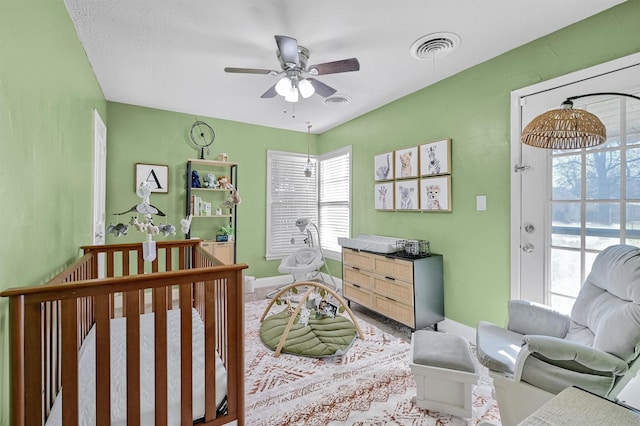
371, 385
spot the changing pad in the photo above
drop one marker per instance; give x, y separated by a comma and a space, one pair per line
374, 243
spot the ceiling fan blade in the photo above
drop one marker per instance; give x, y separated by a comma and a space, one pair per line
288, 48
321, 88
345, 65
249, 70
270, 93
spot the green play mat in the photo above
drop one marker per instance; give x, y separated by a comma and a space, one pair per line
322, 337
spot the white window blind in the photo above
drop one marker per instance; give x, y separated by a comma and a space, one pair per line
334, 199
324, 198
290, 195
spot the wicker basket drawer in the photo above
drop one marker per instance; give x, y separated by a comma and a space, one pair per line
394, 310
356, 276
357, 259
396, 290
394, 268
357, 294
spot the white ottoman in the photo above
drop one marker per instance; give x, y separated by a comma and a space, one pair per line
444, 372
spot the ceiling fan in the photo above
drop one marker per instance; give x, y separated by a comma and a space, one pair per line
296, 77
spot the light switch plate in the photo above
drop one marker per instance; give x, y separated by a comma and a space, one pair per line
481, 202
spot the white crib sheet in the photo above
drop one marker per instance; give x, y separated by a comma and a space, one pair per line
87, 369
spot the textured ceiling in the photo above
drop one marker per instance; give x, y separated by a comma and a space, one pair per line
171, 55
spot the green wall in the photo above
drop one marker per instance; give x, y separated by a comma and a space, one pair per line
47, 96
473, 109
145, 135
48, 92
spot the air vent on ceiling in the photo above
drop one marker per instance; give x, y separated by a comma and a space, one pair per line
337, 100
434, 46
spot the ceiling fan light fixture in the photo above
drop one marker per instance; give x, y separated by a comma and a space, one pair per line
283, 87
306, 88
292, 96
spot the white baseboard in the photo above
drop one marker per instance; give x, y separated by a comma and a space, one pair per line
280, 280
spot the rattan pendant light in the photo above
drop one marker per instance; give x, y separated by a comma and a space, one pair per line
567, 128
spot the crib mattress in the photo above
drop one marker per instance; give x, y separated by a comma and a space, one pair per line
87, 373
374, 243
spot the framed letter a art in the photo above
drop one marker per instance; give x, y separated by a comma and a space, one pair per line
156, 175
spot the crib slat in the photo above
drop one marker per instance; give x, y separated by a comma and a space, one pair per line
32, 362
209, 352
235, 321
161, 375
70, 362
17, 359
103, 360
186, 375
133, 357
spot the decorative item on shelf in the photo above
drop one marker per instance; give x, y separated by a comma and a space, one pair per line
567, 128
223, 182
223, 157
202, 136
195, 179
225, 233
211, 181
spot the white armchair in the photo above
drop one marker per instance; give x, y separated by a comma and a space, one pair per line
542, 352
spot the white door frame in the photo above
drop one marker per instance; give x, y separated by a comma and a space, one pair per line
516, 151
99, 185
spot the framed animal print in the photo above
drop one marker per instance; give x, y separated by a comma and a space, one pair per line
406, 163
383, 193
406, 194
435, 194
383, 166
435, 158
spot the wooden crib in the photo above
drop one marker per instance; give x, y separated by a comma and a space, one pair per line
49, 324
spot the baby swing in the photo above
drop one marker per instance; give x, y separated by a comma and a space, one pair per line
305, 263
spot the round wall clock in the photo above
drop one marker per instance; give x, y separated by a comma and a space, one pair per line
202, 136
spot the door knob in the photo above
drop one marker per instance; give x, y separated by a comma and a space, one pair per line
528, 248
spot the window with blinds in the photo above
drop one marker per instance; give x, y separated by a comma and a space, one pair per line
324, 198
334, 202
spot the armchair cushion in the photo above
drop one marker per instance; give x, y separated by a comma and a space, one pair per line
534, 318
497, 347
609, 303
554, 349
